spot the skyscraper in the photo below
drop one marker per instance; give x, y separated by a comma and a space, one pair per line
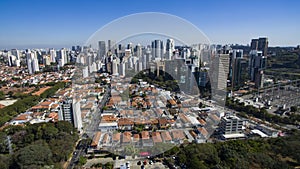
254, 44
62, 57
219, 71
257, 64
260, 44
138, 51
111, 45
101, 49
16, 53
263, 45
238, 67
240, 74
157, 49
170, 48
53, 55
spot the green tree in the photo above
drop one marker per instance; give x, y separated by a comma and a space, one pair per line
36, 154
5, 161
2, 95
82, 160
294, 108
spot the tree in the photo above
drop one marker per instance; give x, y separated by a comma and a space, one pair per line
4, 161
3, 143
294, 108
49, 131
82, 160
2, 95
36, 154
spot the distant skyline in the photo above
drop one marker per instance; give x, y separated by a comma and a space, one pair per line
54, 23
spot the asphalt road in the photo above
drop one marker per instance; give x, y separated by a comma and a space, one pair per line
96, 117
76, 154
90, 130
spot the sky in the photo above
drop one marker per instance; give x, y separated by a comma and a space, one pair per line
63, 23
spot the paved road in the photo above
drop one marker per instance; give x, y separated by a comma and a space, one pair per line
90, 129
76, 154
95, 120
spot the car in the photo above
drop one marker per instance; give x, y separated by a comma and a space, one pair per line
145, 162
150, 162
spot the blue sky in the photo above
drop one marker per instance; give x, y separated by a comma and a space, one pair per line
58, 23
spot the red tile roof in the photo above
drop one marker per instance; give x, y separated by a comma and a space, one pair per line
166, 136
96, 139
156, 137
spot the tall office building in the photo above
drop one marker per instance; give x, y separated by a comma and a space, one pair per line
257, 64
170, 48
260, 44
203, 76
219, 71
157, 49
240, 72
111, 45
254, 44
238, 68
101, 49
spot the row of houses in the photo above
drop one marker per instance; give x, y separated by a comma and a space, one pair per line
109, 122
102, 140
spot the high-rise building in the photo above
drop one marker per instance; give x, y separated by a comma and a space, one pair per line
32, 62
260, 44
62, 57
53, 55
238, 68
111, 45
138, 51
157, 49
170, 48
257, 64
254, 44
77, 121
240, 72
219, 71
185, 53
263, 45
66, 111
115, 67
203, 76
16, 53
122, 69
101, 49
70, 111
